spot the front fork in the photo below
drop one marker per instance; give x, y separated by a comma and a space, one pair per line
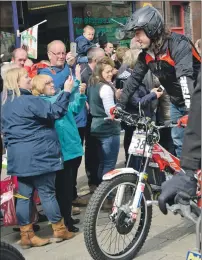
134, 208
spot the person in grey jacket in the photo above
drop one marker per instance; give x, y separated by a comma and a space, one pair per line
33, 152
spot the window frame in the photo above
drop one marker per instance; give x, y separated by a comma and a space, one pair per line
181, 28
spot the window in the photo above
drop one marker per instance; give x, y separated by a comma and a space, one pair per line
7, 37
101, 17
177, 17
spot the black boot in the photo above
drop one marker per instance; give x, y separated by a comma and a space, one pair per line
75, 221
73, 229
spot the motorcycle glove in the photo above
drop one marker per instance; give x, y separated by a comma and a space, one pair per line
179, 182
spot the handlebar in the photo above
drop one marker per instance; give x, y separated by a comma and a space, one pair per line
136, 120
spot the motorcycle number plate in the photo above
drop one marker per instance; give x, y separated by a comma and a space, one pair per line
193, 256
137, 145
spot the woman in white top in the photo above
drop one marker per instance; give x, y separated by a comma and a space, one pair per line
102, 97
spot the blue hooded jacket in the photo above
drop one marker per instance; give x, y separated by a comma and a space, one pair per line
59, 75
83, 45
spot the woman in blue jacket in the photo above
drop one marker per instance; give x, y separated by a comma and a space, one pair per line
33, 152
70, 142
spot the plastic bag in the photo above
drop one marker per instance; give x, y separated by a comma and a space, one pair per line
8, 208
8, 188
7, 205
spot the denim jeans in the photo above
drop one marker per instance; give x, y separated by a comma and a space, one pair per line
177, 132
45, 185
108, 148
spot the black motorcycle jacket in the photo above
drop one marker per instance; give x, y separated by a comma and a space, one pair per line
176, 66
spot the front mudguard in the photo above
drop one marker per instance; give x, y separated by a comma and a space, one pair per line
121, 171
113, 174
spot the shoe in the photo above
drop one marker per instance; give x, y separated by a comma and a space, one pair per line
75, 211
60, 232
35, 228
80, 202
92, 188
42, 218
75, 221
29, 239
73, 229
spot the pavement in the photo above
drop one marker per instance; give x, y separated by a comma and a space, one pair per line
170, 237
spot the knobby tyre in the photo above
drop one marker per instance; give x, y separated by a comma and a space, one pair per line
93, 210
8, 252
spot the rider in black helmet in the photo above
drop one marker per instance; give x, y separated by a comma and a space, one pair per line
174, 60
149, 19
170, 56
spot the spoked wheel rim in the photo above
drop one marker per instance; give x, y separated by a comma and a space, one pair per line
116, 244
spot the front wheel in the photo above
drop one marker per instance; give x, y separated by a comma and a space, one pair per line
107, 238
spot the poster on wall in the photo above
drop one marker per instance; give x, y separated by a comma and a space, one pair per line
29, 41
7, 40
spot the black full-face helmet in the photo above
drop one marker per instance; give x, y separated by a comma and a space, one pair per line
148, 19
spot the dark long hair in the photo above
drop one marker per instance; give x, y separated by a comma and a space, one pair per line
158, 42
96, 77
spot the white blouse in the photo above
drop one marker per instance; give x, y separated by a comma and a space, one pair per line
107, 96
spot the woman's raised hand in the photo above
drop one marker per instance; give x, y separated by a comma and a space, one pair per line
69, 83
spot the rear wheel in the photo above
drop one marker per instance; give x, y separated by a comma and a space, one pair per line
107, 238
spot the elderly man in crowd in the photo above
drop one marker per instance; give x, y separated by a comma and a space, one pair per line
60, 62
20, 57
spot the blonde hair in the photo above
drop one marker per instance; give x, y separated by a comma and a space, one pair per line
88, 27
130, 57
120, 52
6, 67
38, 84
11, 81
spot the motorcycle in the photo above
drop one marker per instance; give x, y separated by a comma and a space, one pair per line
120, 231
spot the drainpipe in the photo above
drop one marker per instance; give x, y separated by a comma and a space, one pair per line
15, 24
133, 6
70, 21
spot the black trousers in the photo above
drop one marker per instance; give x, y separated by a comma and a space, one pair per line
64, 188
166, 140
191, 150
91, 155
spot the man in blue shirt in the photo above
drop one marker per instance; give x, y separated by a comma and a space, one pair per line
59, 70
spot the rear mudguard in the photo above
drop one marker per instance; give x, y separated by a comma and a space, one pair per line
121, 171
